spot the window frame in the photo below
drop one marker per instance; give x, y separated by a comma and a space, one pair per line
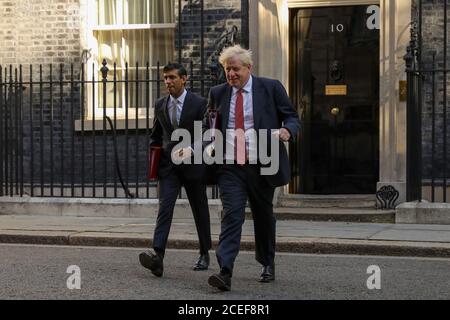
93, 67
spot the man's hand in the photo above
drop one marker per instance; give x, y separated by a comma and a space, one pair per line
210, 149
283, 134
182, 154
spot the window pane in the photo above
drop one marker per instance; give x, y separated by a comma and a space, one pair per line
162, 11
135, 11
139, 89
150, 46
107, 12
110, 47
137, 43
110, 90
145, 91
141, 46
162, 46
154, 88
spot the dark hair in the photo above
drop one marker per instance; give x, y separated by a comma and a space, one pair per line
175, 66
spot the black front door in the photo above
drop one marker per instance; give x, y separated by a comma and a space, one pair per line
334, 83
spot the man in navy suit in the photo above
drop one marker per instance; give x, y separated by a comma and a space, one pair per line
247, 103
179, 110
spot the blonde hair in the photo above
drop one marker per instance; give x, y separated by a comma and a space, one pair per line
244, 55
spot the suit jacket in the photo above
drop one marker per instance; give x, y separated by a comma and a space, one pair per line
194, 108
272, 109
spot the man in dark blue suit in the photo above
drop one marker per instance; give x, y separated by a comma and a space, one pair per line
179, 110
247, 103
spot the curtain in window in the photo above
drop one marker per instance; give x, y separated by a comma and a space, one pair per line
135, 11
139, 45
110, 48
135, 45
107, 12
162, 11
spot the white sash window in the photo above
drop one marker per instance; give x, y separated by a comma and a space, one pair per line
128, 31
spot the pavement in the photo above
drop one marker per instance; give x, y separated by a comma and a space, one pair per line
297, 236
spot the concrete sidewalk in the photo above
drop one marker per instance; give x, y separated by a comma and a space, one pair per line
292, 235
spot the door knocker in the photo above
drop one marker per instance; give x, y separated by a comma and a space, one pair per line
336, 70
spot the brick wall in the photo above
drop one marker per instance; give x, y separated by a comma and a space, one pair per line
39, 31
219, 18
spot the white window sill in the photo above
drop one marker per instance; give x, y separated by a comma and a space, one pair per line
144, 26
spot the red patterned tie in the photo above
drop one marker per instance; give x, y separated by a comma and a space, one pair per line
239, 124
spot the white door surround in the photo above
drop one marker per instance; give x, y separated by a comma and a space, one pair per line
269, 41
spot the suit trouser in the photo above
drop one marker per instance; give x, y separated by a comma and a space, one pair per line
236, 183
169, 188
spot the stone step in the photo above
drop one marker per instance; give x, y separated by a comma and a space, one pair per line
327, 201
333, 214
91, 207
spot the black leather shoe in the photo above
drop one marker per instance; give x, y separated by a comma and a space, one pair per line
221, 281
152, 261
267, 274
202, 263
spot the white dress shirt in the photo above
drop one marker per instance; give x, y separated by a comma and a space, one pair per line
250, 134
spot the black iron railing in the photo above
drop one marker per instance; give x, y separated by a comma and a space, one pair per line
69, 132
427, 97
62, 135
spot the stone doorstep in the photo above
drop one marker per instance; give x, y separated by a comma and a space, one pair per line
343, 208
327, 201
332, 214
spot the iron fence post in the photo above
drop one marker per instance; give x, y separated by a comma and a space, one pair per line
1, 131
413, 172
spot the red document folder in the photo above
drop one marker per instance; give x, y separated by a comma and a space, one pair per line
153, 162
